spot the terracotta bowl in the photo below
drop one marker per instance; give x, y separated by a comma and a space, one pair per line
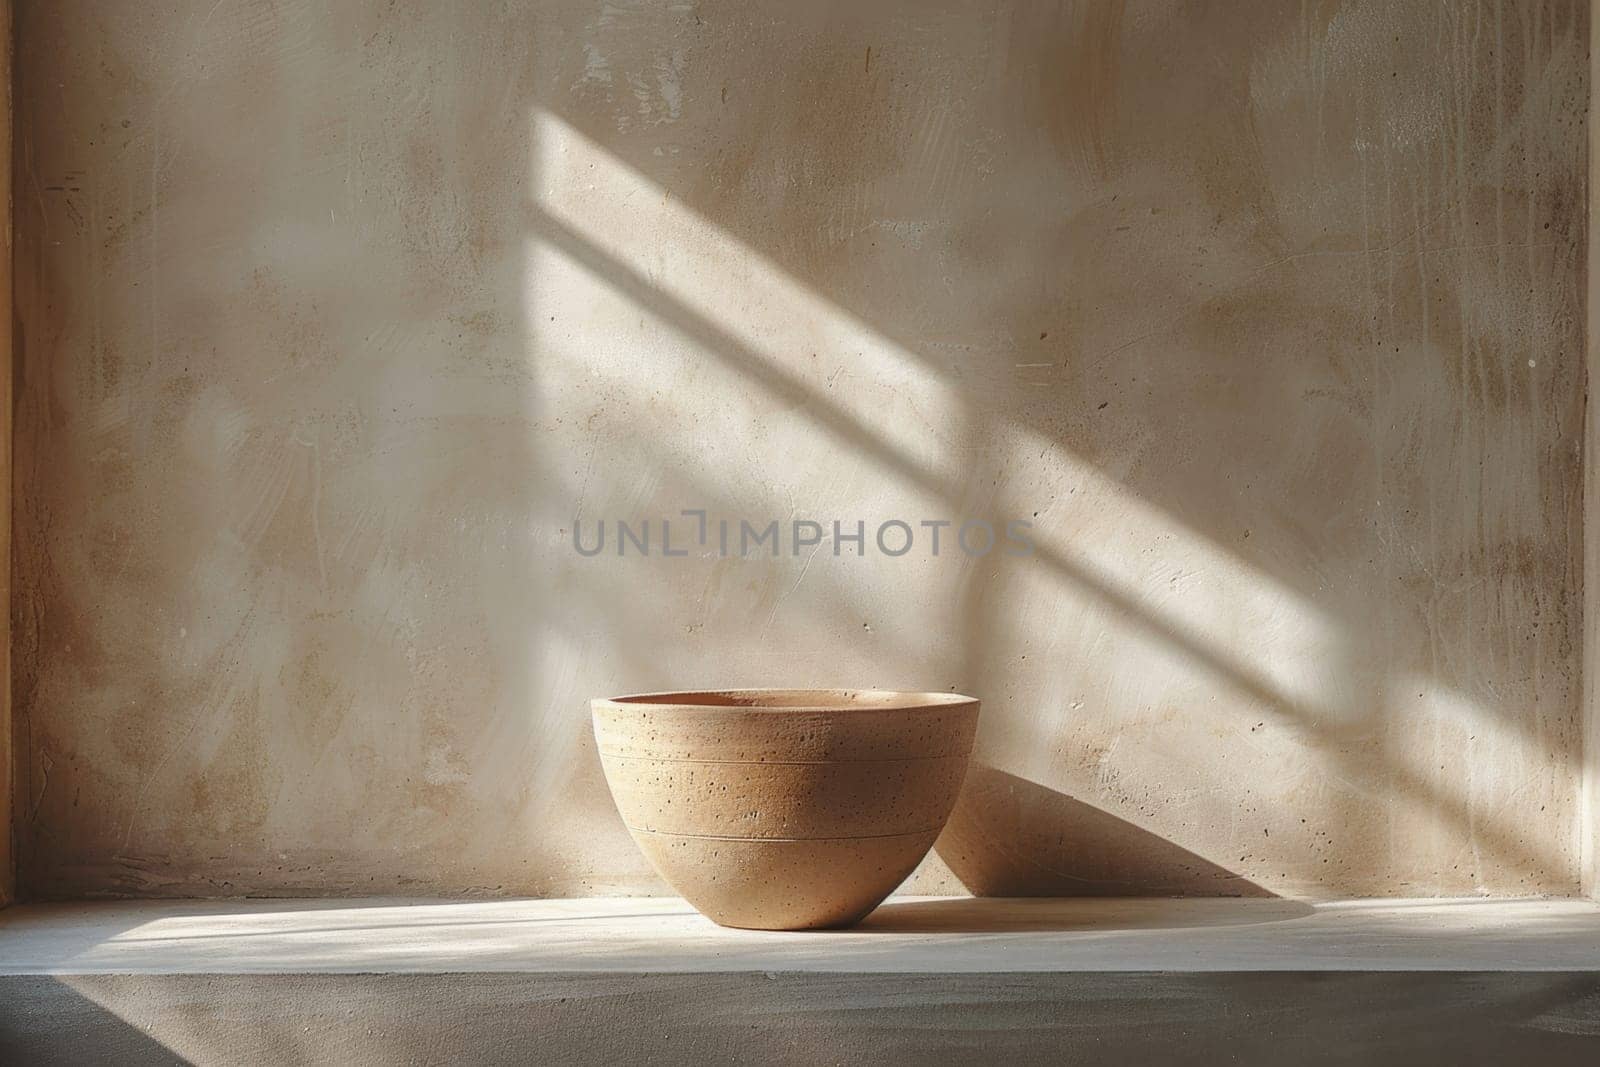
784, 809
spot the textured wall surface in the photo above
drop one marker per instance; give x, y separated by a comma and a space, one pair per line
336, 318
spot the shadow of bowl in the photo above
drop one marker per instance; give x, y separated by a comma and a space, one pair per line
1009, 837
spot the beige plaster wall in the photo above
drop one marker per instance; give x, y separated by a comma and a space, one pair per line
336, 317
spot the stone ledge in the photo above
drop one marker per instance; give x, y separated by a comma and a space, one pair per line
924, 980
906, 935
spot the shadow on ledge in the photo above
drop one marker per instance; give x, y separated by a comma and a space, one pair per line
1009, 837
992, 915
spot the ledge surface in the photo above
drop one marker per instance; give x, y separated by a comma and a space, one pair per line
662, 935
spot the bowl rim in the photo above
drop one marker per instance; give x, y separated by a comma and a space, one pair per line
842, 702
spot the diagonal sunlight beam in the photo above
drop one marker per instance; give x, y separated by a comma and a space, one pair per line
863, 434
736, 356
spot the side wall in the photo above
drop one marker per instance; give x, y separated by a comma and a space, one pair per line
1589, 824
7, 790
337, 319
